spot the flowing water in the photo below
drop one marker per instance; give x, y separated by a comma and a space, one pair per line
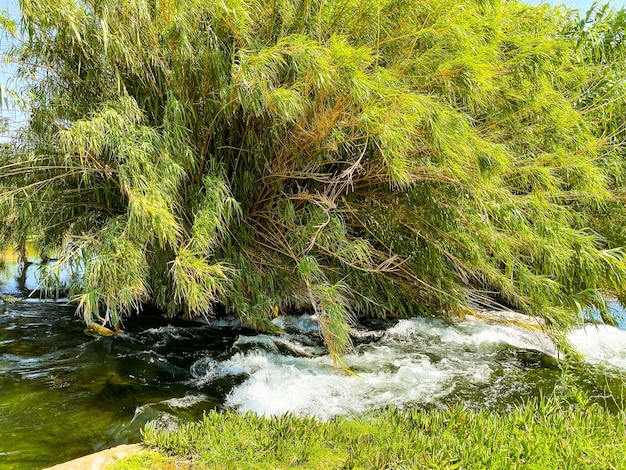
64, 394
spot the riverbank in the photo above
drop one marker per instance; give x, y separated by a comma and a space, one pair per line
543, 433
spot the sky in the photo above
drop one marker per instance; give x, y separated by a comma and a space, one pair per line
10, 115
582, 5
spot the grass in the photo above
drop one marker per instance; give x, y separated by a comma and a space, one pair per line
543, 433
148, 460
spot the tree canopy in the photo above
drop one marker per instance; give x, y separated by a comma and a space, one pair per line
375, 157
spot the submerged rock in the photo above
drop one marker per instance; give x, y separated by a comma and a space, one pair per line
366, 336
98, 330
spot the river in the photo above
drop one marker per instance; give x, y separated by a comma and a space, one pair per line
64, 394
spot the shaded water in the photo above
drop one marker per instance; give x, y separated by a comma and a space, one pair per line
64, 394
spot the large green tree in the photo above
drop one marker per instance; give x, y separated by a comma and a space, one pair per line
379, 157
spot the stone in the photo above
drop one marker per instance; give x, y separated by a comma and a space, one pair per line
101, 459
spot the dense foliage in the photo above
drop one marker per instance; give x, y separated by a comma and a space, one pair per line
379, 157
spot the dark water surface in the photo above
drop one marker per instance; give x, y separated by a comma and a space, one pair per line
64, 394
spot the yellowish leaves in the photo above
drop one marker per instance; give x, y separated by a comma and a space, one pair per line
198, 284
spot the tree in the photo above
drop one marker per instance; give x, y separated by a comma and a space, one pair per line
599, 50
386, 158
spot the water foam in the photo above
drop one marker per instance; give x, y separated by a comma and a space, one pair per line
416, 362
290, 344
311, 386
166, 331
601, 344
473, 333
205, 370
423, 362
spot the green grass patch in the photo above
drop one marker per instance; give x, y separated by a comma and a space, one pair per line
149, 460
544, 433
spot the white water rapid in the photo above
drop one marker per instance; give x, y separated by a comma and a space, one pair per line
415, 362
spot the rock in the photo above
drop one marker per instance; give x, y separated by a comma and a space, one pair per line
366, 336
101, 459
99, 330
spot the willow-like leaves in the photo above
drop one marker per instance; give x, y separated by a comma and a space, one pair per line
386, 158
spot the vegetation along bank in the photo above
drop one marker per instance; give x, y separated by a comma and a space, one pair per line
544, 433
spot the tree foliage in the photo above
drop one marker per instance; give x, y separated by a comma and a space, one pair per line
379, 157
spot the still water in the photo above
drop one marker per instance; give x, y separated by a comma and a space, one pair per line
64, 394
